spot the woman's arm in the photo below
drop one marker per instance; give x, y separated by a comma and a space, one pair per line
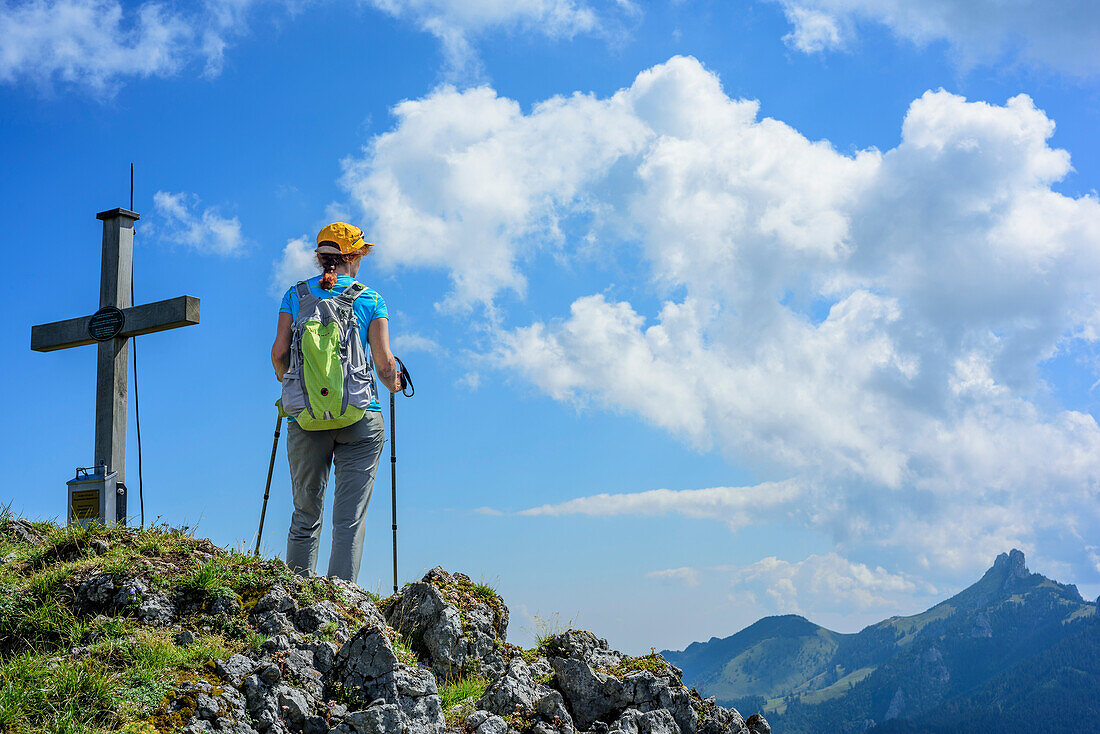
280, 350
384, 362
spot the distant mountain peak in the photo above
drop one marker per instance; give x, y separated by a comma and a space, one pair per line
1013, 560
1012, 567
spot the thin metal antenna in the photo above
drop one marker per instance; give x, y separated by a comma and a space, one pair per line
137, 405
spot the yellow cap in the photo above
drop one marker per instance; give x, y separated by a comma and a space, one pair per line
339, 238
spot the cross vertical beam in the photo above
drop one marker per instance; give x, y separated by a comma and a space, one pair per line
113, 366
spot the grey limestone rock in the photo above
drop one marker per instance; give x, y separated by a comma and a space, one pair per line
540, 668
418, 698
183, 638
324, 655
383, 718
517, 690
97, 591
294, 707
492, 725
647, 691
217, 710
422, 613
265, 704
156, 609
714, 719
982, 628
292, 683
318, 616
458, 630
584, 646
299, 666
235, 669
276, 600
593, 695
22, 531
477, 718
365, 658
278, 643
206, 707
227, 604
270, 674
1014, 567
757, 724
273, 623
354, 596
367, 670
658, 721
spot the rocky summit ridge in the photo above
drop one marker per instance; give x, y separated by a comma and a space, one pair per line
245, 647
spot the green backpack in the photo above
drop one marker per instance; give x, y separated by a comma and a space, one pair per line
330, 382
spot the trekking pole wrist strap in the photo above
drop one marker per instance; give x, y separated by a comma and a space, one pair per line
407, 388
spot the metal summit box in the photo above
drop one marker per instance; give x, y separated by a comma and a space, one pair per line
95, 495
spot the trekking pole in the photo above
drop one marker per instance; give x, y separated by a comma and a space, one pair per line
267, 489
407, 390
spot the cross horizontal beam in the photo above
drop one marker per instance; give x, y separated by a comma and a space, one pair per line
144, 319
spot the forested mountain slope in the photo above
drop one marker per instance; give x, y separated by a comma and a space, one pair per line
1009, 642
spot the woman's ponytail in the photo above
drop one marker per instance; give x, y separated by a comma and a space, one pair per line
329, 262
328, 268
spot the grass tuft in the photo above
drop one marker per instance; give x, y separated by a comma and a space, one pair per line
470, 686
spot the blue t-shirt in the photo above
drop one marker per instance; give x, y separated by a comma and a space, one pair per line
368, 306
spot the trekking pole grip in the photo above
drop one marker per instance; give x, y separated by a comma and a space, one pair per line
407, 388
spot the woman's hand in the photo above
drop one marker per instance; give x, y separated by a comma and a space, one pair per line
384, 363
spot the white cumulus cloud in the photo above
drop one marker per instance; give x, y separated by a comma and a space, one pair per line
298, 261
458, 23
179, 221
727, 504
1060, 36
867, 327
684, 575
95, 43
414, 343
824, 584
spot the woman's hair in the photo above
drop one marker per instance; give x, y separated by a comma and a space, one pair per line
329, 263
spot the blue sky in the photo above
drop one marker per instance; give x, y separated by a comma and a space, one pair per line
716, 310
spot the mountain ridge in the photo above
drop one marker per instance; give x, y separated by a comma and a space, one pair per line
900, 667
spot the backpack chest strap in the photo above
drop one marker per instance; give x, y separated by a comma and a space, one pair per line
348, 295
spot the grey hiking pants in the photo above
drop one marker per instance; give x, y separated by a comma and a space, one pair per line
355, 450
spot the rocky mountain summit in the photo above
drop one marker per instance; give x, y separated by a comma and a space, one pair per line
245, 647
1011, 647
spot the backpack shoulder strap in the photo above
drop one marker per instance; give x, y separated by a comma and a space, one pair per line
305, 295
348, 295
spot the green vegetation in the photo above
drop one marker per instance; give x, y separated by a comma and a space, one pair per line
466, 687
546, 629
403, 649
653, 662
457, 697
66, 670
464, 594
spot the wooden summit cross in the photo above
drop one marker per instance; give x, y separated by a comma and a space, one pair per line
112, 326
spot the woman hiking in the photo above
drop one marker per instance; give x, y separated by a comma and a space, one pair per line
330, 328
